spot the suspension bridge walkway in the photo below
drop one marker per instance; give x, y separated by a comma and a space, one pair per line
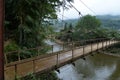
54, 60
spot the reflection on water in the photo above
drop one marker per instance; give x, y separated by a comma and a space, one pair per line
97, 67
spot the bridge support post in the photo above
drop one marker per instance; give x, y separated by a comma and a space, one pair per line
72, 54
109, 43
114, 41
1, 40
34, 66
6, 61
73, 63
15, 71
38, 50
63, 46
97, 44
102, 44
57, 63
52, 48
91, 49
84, 51
18, 55
105, 43
72, 51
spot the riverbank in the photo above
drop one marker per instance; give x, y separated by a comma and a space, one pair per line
108, 53
43, 76
112, 50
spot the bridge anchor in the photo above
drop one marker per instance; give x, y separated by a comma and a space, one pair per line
84, 58
58, 71
92, 54
98, 51
73, 64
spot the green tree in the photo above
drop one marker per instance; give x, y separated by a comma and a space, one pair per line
27, 23
25, 20
88, 23
86, 27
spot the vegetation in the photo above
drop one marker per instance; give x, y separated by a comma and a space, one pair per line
43, 76
110, 21
107, 21
115, 49
29, 22
27, 25
25, 20
66, 33
89, 27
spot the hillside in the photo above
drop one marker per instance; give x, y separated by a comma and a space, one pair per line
110, 21
106, 20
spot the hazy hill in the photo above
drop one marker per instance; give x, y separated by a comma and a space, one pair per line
106, 20
110, 21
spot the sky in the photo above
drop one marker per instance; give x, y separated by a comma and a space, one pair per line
99, 7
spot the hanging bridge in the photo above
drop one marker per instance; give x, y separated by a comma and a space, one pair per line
54, 59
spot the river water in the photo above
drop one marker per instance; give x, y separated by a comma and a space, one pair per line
56, 46
97, 67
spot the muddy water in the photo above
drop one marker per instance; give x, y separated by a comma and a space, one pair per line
97, 67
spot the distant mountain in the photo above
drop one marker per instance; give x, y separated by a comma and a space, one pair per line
110, 21
106, 20
117, 17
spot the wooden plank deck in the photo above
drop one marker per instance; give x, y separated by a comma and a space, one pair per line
38, 64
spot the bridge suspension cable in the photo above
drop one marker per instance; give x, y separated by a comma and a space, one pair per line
75, 9
87, 7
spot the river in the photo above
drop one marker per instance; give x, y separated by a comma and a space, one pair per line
97, 67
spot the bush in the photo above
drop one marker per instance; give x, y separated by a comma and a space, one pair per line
10, 46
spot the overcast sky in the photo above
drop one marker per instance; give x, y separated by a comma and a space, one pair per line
100, 7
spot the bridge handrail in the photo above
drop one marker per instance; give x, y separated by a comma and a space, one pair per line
38, 48
56, 57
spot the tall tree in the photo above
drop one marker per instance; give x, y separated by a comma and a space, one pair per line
88, 23
25, 20
86, 27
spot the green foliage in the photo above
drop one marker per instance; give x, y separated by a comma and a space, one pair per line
10, 46
115, 49
87, 28
44, 76
88, 23
93, 27
66, 33
109, 21
25, 20
27, 24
